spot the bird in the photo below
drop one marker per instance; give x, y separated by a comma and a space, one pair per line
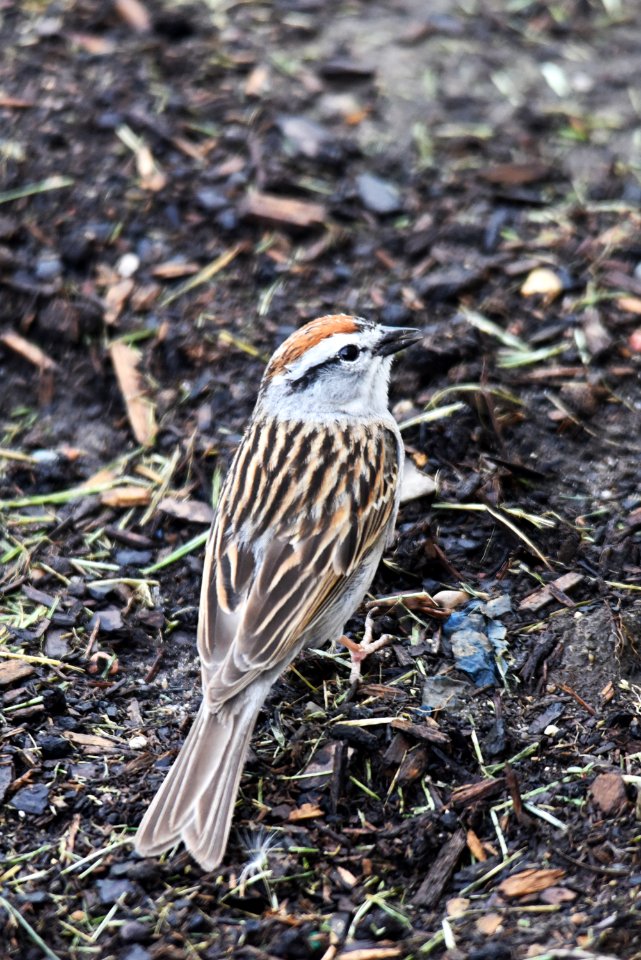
306, 510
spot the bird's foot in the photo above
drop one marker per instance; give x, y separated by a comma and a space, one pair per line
360, 651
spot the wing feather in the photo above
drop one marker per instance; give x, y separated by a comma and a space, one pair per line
272, 566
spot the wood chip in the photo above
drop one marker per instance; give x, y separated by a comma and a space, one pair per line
135, 15
540, 598
194, 511
489, 924
126, 497
13, 670
92, 743
140, 411
475, 846
428, 730
173, 270
283, 211
369, 953
457, 906
515, 174
28, 351
441, 870
471, 793
608, 792
257, 81
530, 881
307, 811
116, 298
629, 304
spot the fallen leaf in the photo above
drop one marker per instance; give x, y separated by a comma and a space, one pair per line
140, 410
530, 881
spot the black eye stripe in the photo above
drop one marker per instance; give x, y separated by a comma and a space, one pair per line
303, 381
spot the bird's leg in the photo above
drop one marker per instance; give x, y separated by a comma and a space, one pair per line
359, 651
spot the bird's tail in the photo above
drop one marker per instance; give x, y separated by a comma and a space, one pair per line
196, 801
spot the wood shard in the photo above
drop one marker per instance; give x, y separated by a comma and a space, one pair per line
14, 670
439, 874
91, 743
540, 598
471, 793
140, 411
422, 731
195, 511
28, 351
284, 211
609, 794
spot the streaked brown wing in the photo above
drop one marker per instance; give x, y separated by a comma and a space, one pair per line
273, 566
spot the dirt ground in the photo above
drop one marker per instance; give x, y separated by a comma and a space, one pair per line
181, 185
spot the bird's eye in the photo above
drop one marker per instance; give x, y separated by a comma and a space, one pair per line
349, 352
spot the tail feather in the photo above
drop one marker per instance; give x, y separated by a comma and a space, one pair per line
196, 801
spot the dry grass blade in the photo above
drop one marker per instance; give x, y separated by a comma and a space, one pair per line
499, 515
204, 275
140, 411
31, 189
26, 926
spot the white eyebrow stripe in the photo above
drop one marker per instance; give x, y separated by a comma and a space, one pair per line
320, 353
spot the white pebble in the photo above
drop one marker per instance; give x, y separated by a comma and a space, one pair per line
127, 265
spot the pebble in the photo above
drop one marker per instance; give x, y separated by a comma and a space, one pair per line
109, 620
54, 748
132, 931
306, 136
211, 200
48, 266
127, 265
135, 953
138, 743
378, 195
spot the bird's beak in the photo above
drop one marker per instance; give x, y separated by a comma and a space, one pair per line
395, 339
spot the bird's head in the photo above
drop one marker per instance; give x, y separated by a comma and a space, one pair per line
333, 366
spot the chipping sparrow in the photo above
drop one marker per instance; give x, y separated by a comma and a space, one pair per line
304, 515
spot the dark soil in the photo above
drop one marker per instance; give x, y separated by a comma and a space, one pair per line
470, 169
